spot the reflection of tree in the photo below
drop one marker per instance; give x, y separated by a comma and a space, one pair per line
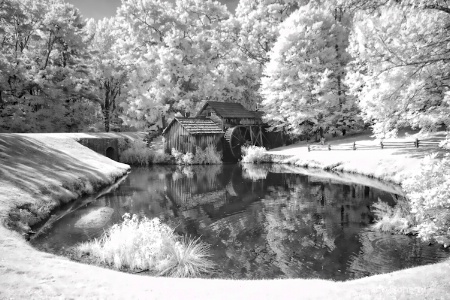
382, 253
286, 225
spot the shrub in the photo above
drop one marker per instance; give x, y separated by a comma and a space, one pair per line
137, 154
429, 195
201, 157
143, 244
393, 219
254, 154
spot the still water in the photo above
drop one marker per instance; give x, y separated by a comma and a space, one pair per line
259, 223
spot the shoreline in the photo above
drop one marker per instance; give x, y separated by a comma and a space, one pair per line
28, 273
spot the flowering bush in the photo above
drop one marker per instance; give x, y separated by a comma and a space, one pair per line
143, 244
254, 154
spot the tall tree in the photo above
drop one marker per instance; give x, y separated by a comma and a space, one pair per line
181, 57
109, 74
401, 61
302, 87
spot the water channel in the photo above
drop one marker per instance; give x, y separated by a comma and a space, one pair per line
259, 223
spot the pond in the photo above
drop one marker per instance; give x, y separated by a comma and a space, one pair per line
260, 223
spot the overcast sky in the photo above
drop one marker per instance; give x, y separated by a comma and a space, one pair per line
99, 9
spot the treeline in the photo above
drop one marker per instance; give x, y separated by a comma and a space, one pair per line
313, 66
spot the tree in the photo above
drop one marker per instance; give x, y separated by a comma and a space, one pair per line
42, 48
302, 89
401, 62
107, 71
182, 55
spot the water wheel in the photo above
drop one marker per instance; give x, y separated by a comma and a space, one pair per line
235, 138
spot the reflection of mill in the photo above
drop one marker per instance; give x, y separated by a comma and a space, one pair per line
209, 193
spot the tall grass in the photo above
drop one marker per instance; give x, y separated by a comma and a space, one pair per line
144, 244
138, 153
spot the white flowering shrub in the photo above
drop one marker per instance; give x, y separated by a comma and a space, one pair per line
144, 244
429, 194
254, 154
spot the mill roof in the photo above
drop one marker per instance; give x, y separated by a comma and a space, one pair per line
229, 110
196, 126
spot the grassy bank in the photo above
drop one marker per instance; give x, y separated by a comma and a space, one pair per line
41, 172
38, 171
392, 165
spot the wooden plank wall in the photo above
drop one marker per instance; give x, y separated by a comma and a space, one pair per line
177, 137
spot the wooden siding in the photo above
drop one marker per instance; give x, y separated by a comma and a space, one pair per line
179, 138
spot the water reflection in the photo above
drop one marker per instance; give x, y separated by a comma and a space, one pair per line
260, 224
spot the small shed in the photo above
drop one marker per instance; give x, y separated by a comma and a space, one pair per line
185, 134
228, 114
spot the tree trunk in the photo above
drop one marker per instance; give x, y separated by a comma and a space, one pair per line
106, 114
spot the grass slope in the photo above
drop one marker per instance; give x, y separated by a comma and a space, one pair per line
38, 171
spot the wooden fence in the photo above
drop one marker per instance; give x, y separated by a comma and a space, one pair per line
382, 145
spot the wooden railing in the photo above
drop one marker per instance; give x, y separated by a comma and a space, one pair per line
382, 145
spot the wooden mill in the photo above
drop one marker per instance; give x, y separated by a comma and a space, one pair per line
235, 125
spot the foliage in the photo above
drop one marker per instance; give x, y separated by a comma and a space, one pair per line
202, 157
399, 72
108, 73
254, 154
303, 89
181, 55
143, 244
429, 194
42, 71
138, 153
393, 219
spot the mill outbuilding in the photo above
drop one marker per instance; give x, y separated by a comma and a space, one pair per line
186, 134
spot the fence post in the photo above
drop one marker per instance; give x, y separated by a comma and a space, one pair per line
417, 143
329, 147
354, 145
381, 144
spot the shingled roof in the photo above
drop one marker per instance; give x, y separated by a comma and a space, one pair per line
229, 110
197, 126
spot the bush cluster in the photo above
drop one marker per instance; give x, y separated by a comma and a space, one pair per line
144, 244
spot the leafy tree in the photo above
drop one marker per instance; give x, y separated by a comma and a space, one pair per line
181, 55
108, 72
302, 88
401, 57
42, 48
